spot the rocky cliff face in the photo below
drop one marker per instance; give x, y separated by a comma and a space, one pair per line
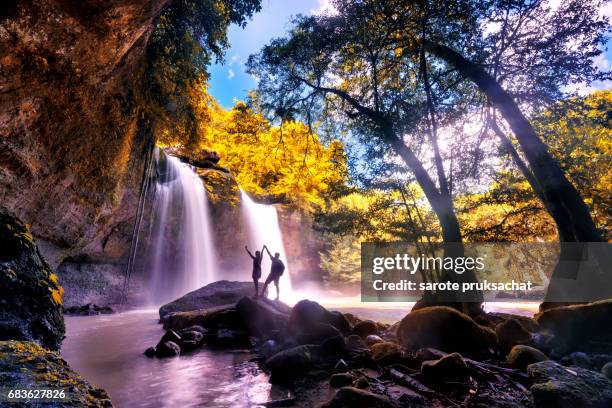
71, 142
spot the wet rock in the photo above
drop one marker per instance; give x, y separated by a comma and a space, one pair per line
556, 386
89, 309
167, 349
444, 328
262, 316
451, 367
170, 335
510, 333
31, 305
306, 314
206, 318
24, 363
521, 356
387, 352
341, 380
212, 295
334, 346
607, 370
291, 364
196, 328
150, 352
576, 326
361, 383
189, 345
428, 353
192, 335
578, 359
373, 339
365, 328
354, 397
267, 349
341, 367
317, 333
355, 343
230, 339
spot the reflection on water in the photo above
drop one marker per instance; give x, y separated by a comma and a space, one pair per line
107, 351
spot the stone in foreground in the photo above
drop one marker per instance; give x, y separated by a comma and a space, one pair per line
556, 386
26, 364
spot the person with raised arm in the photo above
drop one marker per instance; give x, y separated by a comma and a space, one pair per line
276, 271
257, 258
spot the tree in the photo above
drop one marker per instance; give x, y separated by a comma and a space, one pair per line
347, 67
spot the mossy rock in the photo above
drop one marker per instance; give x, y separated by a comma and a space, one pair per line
446, 329
26, 364
31, 306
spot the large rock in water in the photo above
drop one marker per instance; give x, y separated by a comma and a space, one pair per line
555, 386
261, 317
444, 328
575, 326
26, 364
31, 303
214, 294
307, 314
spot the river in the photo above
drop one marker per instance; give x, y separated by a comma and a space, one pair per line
107, 350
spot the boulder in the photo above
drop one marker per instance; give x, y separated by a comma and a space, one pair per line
444, 328
428, 353
510, 333
354, 397
192, 335
170, 335
607, 370
212, 295
167, 349
387, 352
205, 318
31, 305
521, 356
451, 367
355, 343
341, 380
361, 383
306, 314
150, 352
341, 366
578, 359
576, 326
365, 328
317, 333
262, 316
231, 339
556, 386
372, 339
26, 364
288, 365
334, 346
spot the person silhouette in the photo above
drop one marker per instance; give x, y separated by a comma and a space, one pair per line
257, 258
276, 271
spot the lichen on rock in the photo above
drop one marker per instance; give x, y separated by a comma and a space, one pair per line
31, 305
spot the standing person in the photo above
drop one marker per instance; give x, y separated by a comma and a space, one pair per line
276, 270
257, 258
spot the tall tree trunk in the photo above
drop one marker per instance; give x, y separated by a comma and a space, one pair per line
565, 233
442, 205
565, 203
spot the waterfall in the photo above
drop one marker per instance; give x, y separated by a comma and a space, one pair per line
181, 254
263, 228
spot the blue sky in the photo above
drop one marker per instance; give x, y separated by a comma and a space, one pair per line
229, 81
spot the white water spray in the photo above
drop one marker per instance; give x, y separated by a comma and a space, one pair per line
181, 254
263, 228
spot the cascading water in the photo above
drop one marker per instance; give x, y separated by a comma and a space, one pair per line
181, 255
263, 228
